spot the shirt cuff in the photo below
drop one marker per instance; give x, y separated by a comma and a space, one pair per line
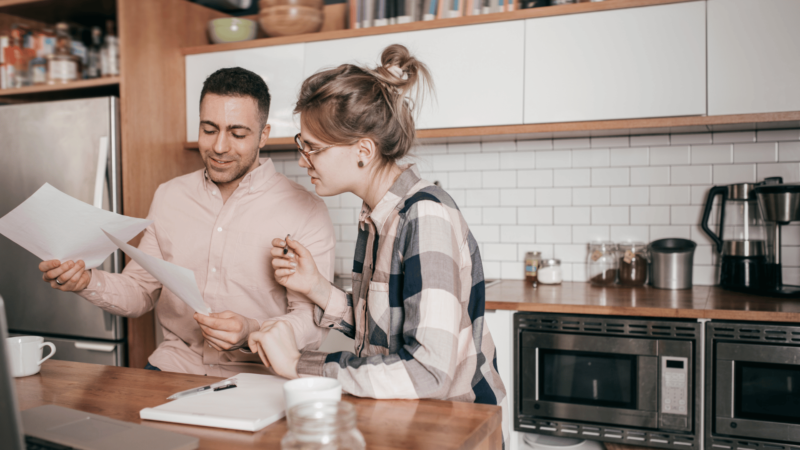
334, 311
311, 363
96, 287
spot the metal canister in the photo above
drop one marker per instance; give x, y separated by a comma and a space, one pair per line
672, 262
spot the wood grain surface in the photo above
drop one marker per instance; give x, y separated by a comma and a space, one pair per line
120, 393
42, 88
700, 302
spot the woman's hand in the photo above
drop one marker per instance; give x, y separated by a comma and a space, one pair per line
297, 271
276, 347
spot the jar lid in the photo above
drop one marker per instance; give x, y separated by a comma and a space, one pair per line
551, 262
632, 244
603, 245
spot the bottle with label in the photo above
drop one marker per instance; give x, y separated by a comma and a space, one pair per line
532, 261
13, 57
94, 68
109, 56
63, 66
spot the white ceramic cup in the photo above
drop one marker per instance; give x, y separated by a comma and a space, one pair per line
310, 389
25, 354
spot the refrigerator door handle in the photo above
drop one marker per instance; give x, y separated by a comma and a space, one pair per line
100, 175
106, 348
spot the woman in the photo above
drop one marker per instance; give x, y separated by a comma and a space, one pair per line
416, 312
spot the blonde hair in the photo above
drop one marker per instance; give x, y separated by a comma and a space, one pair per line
348, 103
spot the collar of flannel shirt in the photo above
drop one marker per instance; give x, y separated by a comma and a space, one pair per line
390, 201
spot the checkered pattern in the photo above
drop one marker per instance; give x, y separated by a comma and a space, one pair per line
417, 318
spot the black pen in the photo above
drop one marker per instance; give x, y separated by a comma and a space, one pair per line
286, 247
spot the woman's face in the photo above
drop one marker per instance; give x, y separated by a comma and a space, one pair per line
335, 170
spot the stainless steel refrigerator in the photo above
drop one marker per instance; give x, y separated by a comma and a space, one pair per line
60, 143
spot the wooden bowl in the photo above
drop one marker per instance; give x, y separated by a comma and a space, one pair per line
316, 4
288, 20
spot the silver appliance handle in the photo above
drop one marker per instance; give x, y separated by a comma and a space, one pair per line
536, 368
106, 348
100, 175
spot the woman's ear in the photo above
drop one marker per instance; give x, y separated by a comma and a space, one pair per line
366, 152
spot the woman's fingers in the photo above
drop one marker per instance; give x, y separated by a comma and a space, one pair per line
278, 263
281, 273
298, 248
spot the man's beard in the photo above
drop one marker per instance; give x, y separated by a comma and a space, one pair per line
240, 170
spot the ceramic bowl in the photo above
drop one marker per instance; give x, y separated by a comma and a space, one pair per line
231, 29
289, 20
309, 389
316, 4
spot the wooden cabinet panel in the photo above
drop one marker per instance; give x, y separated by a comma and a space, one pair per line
628, 63
753, 56
280, 66
477, 70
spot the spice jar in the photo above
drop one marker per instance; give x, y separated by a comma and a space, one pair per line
601, 264
322, 425
550, 271
532, 260
633, 264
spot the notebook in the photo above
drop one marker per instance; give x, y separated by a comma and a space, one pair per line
256, 402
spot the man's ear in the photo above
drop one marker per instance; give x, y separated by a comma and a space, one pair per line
264, 136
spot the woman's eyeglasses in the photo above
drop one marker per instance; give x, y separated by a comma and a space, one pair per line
306, 154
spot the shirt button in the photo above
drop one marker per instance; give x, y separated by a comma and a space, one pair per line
214, 192
213, 269
210, 365
98, 284
219, 229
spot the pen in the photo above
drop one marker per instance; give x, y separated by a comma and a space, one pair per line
221, 386
286, 247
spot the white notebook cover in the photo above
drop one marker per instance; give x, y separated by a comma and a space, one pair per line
256, 402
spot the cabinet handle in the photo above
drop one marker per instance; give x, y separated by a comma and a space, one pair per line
100, 175
107, 348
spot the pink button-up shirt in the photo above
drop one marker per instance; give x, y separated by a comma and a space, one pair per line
227, 246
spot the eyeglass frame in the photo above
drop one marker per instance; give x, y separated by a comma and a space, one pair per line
307, 155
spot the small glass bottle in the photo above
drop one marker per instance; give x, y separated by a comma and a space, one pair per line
109, 56
633, 264
550, 271
532, 260
94, 69
322, 425
62, 66
601, 264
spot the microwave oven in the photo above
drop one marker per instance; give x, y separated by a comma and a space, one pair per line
753, 386
615, 379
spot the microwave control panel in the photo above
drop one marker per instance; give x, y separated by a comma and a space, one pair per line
674, 385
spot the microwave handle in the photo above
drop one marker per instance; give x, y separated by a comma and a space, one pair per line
723, 192
536, 374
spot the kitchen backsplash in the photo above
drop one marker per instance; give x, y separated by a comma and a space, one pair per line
556, 195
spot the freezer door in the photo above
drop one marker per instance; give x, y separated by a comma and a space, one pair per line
60, 143
92, 352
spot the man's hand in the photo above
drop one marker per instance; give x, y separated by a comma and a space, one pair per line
277, 348
68, 277
226, 330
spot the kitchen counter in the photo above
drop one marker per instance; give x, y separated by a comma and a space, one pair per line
120, 392
700, 302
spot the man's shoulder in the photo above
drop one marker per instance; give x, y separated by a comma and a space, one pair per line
182, 184
296, 193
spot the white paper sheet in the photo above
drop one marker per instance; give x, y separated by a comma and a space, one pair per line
52, 225
177, 279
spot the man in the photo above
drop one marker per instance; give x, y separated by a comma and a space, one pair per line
220, 223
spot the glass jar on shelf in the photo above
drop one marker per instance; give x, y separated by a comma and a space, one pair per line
532, 260
601, 264
634, 260
550, 271
63, 66
322, 425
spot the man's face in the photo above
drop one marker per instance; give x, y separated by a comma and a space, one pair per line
230, 137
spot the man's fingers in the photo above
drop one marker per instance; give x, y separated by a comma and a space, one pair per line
67, 276
56, 272
45, 266
263, 355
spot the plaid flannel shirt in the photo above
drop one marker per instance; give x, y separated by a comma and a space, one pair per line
417, 314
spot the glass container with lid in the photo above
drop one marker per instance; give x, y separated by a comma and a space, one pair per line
634, 259
550, 271
532, 260
601, 264
322, 425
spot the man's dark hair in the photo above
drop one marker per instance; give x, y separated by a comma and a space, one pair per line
238, 82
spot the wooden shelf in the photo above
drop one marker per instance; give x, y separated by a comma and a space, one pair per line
50, 88
428, 25
51, 11
661, 125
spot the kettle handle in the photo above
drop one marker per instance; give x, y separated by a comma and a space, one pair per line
717, 238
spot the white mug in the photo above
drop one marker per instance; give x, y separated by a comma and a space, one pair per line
311, 388
25, 354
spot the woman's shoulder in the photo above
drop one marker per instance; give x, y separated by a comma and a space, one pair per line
431, 201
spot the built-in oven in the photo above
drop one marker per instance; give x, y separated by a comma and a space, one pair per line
616, 379
753, 386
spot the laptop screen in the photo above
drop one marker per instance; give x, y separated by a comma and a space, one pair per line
10, 422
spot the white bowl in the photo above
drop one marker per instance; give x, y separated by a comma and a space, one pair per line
311, 389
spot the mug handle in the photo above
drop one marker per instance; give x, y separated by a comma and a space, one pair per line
52, 352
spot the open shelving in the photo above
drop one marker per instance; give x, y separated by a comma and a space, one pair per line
53, 88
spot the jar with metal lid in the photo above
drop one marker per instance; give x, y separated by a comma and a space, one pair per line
634, 260
601, 264
322, 425
550, 271
532, 260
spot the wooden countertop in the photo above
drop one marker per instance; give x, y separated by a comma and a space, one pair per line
120, 392
700, 302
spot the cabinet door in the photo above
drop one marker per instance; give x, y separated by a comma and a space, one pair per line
477, 70
280, 66
753, 56
621, 64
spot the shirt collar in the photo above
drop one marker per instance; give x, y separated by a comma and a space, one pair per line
391, 200
252, 182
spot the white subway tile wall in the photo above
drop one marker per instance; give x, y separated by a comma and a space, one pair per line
556, 195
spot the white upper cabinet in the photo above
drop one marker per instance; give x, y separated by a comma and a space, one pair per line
280, 66
620, 64
753, 56
477, 70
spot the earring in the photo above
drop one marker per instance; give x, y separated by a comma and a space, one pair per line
361, 164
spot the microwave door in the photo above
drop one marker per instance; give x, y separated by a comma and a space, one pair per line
757, 392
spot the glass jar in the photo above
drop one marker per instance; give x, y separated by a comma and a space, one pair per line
550, 271
532, 260
633, 264
601, 264
322, 425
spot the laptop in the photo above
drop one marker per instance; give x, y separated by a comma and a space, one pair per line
52, 427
